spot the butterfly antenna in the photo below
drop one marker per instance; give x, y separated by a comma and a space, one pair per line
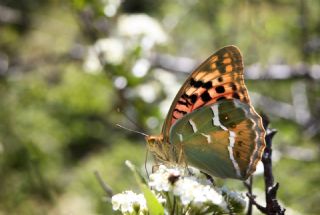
137, 132
128, 118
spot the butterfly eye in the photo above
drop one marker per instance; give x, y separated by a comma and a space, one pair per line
151, 140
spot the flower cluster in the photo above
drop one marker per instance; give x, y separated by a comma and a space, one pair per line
189, 189
131, 31
191, 194
129, 202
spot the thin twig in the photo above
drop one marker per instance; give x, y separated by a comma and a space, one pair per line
272, 205
248, 185
253, 202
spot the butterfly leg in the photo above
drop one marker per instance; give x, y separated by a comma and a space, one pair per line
209, 177
155, 167
182, 159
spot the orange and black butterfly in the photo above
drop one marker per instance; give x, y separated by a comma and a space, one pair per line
211, 123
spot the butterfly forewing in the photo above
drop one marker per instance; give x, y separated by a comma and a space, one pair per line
219, 77
225, 139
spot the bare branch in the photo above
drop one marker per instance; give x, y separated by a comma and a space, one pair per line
272, 205
253, 72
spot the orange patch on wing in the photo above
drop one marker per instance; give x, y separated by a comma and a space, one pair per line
200, 75
227, 61
209, 76
229, 68
214, 59
182, 107
190, 91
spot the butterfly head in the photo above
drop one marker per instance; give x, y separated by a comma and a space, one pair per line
161, 149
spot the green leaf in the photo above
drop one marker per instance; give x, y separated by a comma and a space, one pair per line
154, 206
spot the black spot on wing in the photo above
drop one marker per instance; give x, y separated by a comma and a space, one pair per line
193, 98
195, 83
236, 96
205, 96
198, 84
233, 86
207, 85
220, 89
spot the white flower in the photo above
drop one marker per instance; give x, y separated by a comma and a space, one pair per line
107, 50
111, 7
148, 92
184, 188
92, 63
110, 49
144, 27
120, 82
191, 191
199, 176
141, 67
160, 180
128, 202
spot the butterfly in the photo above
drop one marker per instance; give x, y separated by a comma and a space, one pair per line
211, 123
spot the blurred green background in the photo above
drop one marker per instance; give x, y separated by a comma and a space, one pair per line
66, 67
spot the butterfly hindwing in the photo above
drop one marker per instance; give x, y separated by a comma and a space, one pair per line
225, 139
219, 77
